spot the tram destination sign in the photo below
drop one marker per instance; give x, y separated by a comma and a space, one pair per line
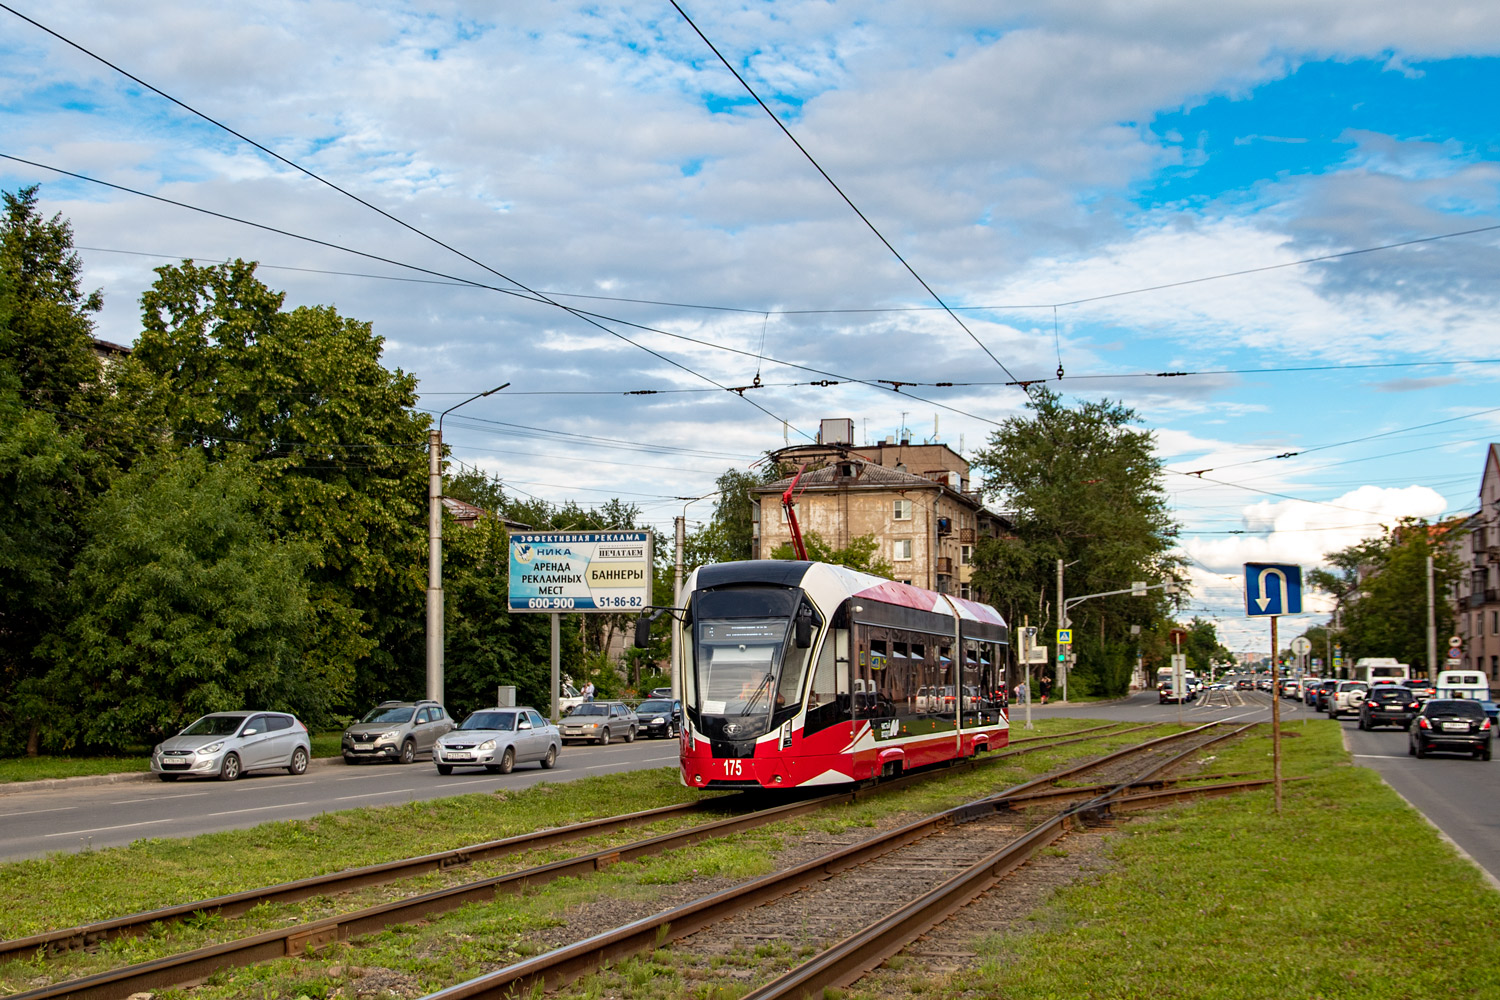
602, 571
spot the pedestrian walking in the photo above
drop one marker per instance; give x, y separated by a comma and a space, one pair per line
1046, 687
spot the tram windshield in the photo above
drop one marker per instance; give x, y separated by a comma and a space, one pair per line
736, 664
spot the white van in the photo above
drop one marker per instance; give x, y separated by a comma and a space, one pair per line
1470, 684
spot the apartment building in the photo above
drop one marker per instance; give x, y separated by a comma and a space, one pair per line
913, 498
1477, 600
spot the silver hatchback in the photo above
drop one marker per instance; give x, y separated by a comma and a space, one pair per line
225, 745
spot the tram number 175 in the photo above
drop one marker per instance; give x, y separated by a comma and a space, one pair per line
732, 769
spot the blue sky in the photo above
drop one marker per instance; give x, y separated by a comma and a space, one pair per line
1038, 163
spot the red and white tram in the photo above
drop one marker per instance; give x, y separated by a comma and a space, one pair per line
805, 673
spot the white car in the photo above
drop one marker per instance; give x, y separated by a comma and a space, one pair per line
497, 739
1347, 697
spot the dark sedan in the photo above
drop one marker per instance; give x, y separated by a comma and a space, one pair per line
1388, 705
660, 717
1451, 724
1321, 693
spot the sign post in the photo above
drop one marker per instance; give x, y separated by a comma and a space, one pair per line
1301, 647
587, 571
1271, 590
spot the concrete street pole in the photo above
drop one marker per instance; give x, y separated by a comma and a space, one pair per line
435, 565
1062, 623
1432, 668
435, 551
681, 533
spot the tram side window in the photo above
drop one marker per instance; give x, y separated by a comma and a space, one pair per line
825, 705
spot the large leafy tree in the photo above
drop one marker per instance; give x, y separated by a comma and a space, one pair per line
1081, 484
1380, 585
331, 440
48, 384
181, 604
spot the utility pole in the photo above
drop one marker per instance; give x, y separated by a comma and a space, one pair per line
681, 539
435, 551
1062, 623
680, 532
1432, 670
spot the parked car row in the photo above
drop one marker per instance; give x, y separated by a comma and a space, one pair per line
226, 745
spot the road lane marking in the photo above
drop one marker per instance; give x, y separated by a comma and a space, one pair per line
157, 798
102, 829
33, 812
279, 805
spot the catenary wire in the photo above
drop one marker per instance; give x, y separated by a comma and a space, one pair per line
847, 200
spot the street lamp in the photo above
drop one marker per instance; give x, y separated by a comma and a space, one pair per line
679, 530
435, 550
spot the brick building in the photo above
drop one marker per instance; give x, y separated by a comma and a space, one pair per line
913, 498
1477, 600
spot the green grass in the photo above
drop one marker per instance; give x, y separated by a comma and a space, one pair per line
1223, 899
38, 768
70, 889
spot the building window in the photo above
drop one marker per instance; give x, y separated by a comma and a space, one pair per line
963, 591
797, 507
901, 511
1495, 666
1494, 623
965, 555
903, 549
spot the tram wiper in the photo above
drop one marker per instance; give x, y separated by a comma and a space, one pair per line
765, 685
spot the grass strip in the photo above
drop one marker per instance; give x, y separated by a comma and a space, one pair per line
155, 872
1349, 894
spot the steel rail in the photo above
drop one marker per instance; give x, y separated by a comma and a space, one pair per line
192, 966
563, 965
847, 961
232, 904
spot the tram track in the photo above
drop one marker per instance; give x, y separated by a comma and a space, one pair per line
233, 904
973, 828
192, 966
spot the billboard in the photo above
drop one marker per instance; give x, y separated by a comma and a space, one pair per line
580, 571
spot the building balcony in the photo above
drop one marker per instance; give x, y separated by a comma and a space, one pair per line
943, 565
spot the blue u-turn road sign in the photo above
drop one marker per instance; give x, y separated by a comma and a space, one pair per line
1272, 589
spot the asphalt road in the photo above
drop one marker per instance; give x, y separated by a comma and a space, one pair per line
1460, 795
88, 816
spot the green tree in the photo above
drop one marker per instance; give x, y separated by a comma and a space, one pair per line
333, 444
39, 537
181, 603
858, 554
1380, 585
1082, 485
46, 339
48, 383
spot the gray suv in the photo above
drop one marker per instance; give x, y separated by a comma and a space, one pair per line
396, 730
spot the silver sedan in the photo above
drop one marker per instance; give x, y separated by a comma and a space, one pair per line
497, 739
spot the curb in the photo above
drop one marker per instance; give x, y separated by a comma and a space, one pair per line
86, 780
